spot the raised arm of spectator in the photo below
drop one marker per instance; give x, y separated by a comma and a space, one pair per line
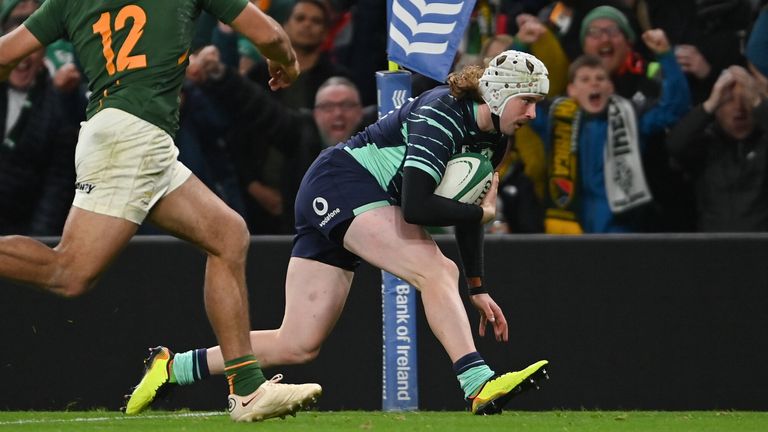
249, 107
675, 98
536, 38
272, 41
256, 120
682, 139
754, 91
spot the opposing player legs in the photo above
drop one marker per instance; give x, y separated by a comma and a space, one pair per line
192, 212
124, 164
315, 294
383, 238
88, 244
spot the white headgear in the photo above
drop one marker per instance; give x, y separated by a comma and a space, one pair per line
512, 73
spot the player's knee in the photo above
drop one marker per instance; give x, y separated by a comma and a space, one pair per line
234, 237
449, 274
295, 350
73, 277
301, 355
75, 286
451, 269
444, 274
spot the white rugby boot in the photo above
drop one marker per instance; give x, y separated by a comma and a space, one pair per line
273, 399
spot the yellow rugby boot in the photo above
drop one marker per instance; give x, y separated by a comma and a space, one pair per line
155, 380
497, 391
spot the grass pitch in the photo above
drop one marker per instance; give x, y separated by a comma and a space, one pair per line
549, 421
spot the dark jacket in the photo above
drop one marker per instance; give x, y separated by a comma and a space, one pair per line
37, 169
259, 122
730, 176
277, 170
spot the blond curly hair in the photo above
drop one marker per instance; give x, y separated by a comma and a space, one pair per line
464, 84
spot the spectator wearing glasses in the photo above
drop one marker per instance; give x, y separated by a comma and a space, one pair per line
596, 139
306, 27
606, 32
338, 112
564, 18
258, 121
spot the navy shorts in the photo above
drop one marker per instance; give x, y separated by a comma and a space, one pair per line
334, 190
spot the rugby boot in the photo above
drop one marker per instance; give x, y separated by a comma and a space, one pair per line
498, 390
154, 382
273, 399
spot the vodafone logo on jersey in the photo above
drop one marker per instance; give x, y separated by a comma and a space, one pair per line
320, 206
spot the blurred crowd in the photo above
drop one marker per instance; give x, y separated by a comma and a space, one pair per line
656, 120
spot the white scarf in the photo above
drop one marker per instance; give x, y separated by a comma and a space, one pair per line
625, 184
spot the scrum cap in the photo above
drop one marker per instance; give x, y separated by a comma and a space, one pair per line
512, 73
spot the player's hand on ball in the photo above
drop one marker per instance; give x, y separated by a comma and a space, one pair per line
489, 201
491, 313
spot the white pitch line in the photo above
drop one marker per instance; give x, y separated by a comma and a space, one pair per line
98, 419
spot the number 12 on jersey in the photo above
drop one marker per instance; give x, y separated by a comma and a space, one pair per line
124, 58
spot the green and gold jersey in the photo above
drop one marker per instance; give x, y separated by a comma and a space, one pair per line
134, 52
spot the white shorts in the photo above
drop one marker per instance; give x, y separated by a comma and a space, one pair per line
124, 165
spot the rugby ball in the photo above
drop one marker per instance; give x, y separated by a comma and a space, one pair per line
467, 178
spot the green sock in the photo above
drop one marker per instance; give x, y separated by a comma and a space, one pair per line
473, 379
244, 375
171, 376
188, 367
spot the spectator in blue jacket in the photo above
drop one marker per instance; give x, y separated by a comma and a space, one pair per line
595, 142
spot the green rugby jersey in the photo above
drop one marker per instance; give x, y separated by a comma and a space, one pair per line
134, 52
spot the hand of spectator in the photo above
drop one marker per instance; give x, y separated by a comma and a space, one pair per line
204, 65
692, 61
282, 75
720, 91
269, 198
656, 40
530, 28
67, 78
489, 201
490, 312
747, 87
523, 18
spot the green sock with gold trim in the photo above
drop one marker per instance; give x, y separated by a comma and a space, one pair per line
243, 375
